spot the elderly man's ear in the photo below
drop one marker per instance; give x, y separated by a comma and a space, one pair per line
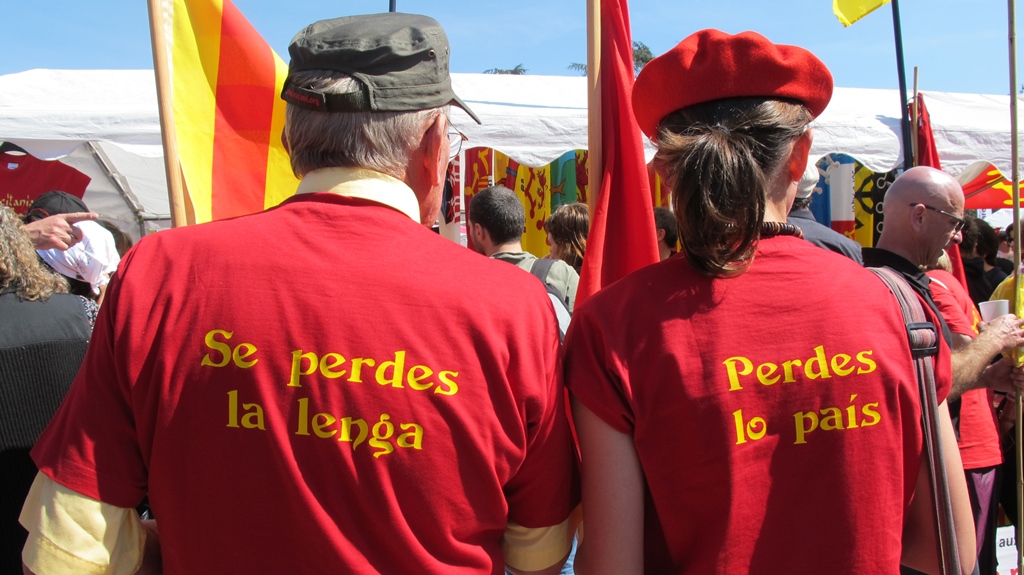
428, 167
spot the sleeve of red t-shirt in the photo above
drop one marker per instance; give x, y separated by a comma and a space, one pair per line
591, 372
90, 445
951, 310
544, 490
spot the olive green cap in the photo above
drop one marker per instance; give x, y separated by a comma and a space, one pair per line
400, 59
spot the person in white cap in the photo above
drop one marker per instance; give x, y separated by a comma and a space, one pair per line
820, 235
88, 263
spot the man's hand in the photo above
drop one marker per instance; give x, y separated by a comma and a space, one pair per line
1006, 414
971, 359
57, 232
1002, 376
1004, 330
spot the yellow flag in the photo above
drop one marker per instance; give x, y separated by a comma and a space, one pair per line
849, 11
1007, 290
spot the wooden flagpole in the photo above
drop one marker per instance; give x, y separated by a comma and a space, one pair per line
914, 123
1015, 182
162, 68
594, 167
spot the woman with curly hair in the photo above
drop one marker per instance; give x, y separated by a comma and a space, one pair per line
44, 332
567, 229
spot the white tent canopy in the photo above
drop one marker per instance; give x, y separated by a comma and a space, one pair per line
534, 119
105, 123
102, 122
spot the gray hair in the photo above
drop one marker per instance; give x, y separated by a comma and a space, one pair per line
379, 141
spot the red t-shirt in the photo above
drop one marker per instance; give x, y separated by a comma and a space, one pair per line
979, 430
775, 414
310, 390
24, 177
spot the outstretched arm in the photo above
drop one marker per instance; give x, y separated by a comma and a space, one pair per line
971, 357
56, 232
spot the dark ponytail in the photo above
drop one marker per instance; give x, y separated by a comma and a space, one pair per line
720, 158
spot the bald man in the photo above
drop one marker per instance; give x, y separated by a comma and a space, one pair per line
924, 211
923, 216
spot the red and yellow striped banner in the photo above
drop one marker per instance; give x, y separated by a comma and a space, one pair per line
228, 117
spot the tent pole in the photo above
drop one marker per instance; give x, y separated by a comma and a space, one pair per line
1018, 304
175, 179
594, 167
119, 182
908, 158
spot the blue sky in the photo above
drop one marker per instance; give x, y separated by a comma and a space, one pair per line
959, 45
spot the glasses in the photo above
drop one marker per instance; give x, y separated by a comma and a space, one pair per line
455, 139
960, 223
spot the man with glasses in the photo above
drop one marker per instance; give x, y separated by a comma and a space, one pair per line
924, 211
958, 221
300, 390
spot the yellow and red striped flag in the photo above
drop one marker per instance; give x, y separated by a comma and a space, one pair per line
227, 117
849, 11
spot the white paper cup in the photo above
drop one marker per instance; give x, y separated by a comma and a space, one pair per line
990, 310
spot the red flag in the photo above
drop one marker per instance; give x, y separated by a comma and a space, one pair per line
928, 155
622, 236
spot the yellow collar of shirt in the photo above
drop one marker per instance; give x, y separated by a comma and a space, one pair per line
364, 184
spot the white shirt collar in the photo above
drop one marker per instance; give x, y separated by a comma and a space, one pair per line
364, 184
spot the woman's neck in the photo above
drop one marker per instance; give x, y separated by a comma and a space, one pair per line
776, 211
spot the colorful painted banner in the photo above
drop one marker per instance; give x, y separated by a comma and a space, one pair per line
563, 181
533, 187
868, 195
582, 177
228, 117
477, 174
541, 190
851, 196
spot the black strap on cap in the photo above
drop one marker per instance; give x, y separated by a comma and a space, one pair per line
310, 100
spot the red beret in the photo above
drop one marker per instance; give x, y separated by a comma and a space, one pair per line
712, 65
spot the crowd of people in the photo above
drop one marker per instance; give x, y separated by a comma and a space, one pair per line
336, 407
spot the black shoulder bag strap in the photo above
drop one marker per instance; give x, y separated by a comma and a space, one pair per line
541, 267
924, 342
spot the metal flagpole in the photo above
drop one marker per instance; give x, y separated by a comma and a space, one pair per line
908, 158
1015, 179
